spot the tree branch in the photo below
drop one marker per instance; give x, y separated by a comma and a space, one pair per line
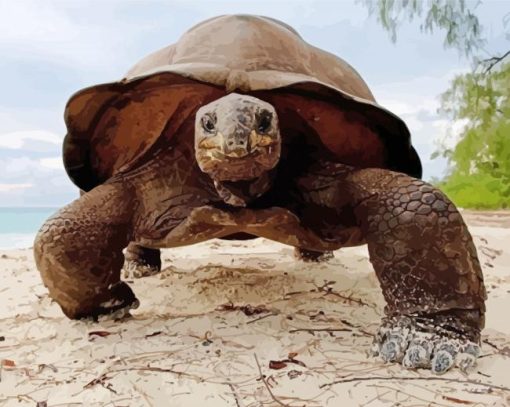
386, 378
493, 61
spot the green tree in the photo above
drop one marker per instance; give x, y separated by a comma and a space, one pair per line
479, 171
479, 164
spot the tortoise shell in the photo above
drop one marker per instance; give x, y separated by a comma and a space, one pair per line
111, 126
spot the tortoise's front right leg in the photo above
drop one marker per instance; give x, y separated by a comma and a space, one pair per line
140, 261
427, 265
78, 252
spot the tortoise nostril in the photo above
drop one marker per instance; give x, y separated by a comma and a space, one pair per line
230, 143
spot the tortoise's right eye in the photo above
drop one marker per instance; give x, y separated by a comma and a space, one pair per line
208, 123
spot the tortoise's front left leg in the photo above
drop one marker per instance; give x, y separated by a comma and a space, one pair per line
79, 252
427, 265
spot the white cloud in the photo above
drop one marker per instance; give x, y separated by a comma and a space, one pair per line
406, 106
53, 162
47, 30
451, 130
24, 139
14, 119
39, 21
26, 181
31, 168
417, 102
412, 96
14, 187
20, 168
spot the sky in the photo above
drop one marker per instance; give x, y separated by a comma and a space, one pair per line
51, 49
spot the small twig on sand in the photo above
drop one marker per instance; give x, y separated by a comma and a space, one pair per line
413, 397
483, 374
113, 402
349, 324
262, 317
234, 393
504, 351
386, 378
101, 381
311, 330
457, 400
263, 378
328, 290
109, 374
348, 298
106, 375
142, 393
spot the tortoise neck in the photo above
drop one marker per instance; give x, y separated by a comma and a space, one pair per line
241, 193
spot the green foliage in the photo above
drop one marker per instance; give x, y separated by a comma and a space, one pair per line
462, 28
479, 164
479, 191
479, 174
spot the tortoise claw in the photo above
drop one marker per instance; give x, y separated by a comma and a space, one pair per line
466, 358
465, 361
393, 349
442, 362
417, 356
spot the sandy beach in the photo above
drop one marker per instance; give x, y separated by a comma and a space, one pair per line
241, 324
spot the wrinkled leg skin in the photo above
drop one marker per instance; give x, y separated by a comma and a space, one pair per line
79, 253
428, 269
141, 261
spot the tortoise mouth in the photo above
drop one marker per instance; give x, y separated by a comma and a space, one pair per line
238, 165
239, 154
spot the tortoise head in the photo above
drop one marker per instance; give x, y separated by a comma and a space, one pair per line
237, 138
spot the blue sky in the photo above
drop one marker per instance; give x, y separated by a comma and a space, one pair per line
50, 49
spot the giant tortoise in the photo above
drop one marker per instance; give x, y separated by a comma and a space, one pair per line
242, 129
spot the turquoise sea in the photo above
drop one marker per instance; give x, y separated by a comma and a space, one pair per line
18, 226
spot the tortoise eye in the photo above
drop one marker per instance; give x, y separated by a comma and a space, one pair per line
264, 123
208, 123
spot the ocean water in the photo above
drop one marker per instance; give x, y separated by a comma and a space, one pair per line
18, 226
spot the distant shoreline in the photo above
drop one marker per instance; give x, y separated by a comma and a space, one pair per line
18, 231
19, 225
30, 207
13, 241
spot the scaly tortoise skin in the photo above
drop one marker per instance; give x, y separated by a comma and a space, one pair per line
241, 129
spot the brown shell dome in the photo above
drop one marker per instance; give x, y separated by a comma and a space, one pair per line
111, 125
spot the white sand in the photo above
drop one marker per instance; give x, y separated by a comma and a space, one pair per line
181, 349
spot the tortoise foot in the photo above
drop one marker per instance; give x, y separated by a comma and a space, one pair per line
134, 269
121, 300
119, 313
141, 262
418, 343
310, 256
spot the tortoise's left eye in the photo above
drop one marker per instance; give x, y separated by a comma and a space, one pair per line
264, 122
208, 123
